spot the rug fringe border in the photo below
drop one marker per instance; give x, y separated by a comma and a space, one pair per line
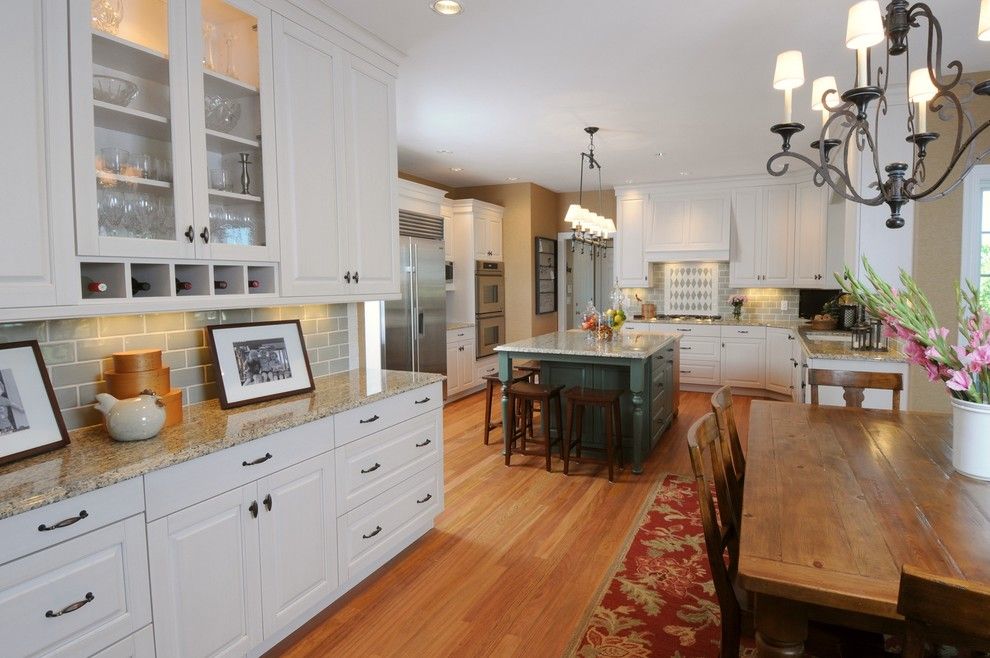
617, 561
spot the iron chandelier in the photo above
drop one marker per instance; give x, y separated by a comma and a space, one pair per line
846, 119
589, 228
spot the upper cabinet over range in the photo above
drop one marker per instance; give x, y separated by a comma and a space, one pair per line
195, 154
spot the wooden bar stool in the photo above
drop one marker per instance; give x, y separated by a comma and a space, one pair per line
608, 401
525, 394
493, 383
531, 367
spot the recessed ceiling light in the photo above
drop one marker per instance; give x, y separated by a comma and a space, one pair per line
684, 173
629, 181
445, 151
512, 179
446, 7
659, 154
456, 169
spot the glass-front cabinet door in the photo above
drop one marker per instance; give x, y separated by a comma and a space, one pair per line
130, 127
232, 116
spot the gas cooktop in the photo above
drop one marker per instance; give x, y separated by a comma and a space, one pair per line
710, 318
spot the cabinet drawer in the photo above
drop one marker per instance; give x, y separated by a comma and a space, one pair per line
699, 372
369, 466
700, 348
458, 335
372, 531
78, 597
139, 645
182, 485
691, 329
355, 423
486, 367
51, 524
640, 327
744, 332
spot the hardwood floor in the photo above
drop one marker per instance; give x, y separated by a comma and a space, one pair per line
514, 560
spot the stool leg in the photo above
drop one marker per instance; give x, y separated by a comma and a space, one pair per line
566, 445
544, 408
511, 430
488, 410
609, 440
618, 431
580, 431
560, 421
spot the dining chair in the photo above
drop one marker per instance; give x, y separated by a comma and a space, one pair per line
730, 448
941, 610
720, 537
853, 384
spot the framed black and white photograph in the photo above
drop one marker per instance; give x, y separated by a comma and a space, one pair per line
259, 361
30, 421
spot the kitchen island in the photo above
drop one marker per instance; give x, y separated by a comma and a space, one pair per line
644, 365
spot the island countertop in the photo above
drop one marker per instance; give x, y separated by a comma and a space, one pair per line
626, 345
92, 460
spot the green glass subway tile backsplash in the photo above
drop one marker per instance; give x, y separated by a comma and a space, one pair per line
77, 350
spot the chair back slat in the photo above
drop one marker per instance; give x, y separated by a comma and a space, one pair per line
944, 611
703, 445
730, 448
854, 384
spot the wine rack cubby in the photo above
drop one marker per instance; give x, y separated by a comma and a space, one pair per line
102, 282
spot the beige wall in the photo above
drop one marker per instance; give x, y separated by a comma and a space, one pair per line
938, 248
405, 175
544, 223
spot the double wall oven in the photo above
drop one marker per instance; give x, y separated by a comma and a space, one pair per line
489, 297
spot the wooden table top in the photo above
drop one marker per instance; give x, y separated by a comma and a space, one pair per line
836, 500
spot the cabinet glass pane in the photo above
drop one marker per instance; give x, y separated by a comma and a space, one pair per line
131, 114
232, 106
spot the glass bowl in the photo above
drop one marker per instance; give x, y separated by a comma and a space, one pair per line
113, 90
222, 113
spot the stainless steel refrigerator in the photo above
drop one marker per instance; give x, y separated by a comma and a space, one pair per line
416, 325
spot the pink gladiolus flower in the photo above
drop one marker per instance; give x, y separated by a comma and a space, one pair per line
942, 333
932, 354
960, 380
934, 372
902, 332
978, 359
915, 352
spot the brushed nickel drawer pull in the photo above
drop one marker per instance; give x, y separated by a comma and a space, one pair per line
372, 533
369, 470
64, 523
428, 497
259, 460
423, 401
683, 348
684, 330
742, 331
72, 607
369, 420
685, 372
423, 444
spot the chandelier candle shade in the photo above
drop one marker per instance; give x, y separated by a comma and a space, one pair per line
850, 119
589, 228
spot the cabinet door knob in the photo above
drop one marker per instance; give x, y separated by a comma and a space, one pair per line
205, 234
347, 276
253, 508
356, 276
64, 523
190, 233
72, 607
268, 502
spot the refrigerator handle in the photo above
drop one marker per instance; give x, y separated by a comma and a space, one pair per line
416, 336
420, 323
412, 308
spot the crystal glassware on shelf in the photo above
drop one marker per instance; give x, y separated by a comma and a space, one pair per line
230, 69
114, 159
218, 222
222, 113
218, 180
145, 211
110, 211
115, 91
107, 15
163, 170
209, 35
143, 165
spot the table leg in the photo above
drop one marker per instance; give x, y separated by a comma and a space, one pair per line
505, 375
637, 384
781, 627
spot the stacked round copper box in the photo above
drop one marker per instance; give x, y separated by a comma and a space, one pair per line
135, 371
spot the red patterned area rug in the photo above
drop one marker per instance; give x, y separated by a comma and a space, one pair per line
658, 599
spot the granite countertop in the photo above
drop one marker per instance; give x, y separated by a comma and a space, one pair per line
453, 326
92, 460
576, 343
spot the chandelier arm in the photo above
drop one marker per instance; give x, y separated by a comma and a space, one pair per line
920, 9
956, 156
874, 150
846, 179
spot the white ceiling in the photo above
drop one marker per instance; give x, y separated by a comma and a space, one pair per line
509, 85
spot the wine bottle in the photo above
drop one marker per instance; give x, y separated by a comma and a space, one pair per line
182, 286
139, 286
220, 285
96, 286
254, 283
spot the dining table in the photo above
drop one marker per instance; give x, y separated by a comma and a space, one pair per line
836, 500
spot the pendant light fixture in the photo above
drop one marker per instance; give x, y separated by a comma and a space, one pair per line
589, 228
850, 125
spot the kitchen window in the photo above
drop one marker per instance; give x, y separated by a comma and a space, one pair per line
976, 231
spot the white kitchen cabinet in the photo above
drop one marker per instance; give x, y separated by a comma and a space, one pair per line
460, 363
206, 577
631, 268
487, 235
811, 240
35, 177
447, 212
309, 93
297, 526
743, 362
780, 361
691, 226
372, 168
763, 237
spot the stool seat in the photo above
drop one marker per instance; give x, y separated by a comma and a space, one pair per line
609, 401
525, 394
491, 383
533, 368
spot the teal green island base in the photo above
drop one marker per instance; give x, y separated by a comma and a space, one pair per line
643, 365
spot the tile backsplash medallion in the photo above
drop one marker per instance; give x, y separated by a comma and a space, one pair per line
77, 350
762, 304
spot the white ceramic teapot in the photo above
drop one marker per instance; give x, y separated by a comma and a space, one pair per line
134, 419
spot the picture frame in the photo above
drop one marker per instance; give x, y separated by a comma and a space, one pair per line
30, 420
259, 361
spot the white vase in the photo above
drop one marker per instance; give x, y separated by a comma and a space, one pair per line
971, 439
